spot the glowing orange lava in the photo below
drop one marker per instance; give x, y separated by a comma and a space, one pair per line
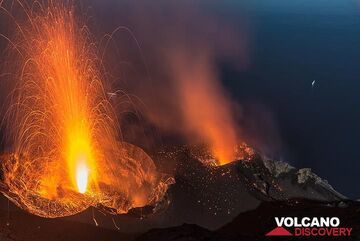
64, 133
82, 174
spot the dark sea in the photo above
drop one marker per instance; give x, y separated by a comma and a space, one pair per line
305, 72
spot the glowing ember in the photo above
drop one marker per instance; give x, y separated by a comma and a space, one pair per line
204, 154
67, 155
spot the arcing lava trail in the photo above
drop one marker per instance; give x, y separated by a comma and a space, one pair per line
62, 132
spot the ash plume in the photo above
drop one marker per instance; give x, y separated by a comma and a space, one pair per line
181, 88
206, 111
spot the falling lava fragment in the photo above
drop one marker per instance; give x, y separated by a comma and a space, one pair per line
63, 133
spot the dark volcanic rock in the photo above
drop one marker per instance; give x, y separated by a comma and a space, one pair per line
185, 232
20, 226
253, 225
256, 223
211, 196
248, 226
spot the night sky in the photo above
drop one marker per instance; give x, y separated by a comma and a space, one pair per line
289, 44
294, 43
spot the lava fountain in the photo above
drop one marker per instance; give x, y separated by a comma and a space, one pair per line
82, 173
63, 133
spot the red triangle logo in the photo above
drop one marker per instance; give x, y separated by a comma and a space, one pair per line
279, 231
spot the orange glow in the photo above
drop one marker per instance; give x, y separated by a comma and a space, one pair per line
80, 158
65, 86
206, 110
82, 174
62, 128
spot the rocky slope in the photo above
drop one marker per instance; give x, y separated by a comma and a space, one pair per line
253, 225
210, 196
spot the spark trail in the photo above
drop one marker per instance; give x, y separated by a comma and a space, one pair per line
66, 151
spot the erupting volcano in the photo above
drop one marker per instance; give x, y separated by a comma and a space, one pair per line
66, 152
177, 125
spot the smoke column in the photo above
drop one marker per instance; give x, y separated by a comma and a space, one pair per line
179, 53
205, 109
